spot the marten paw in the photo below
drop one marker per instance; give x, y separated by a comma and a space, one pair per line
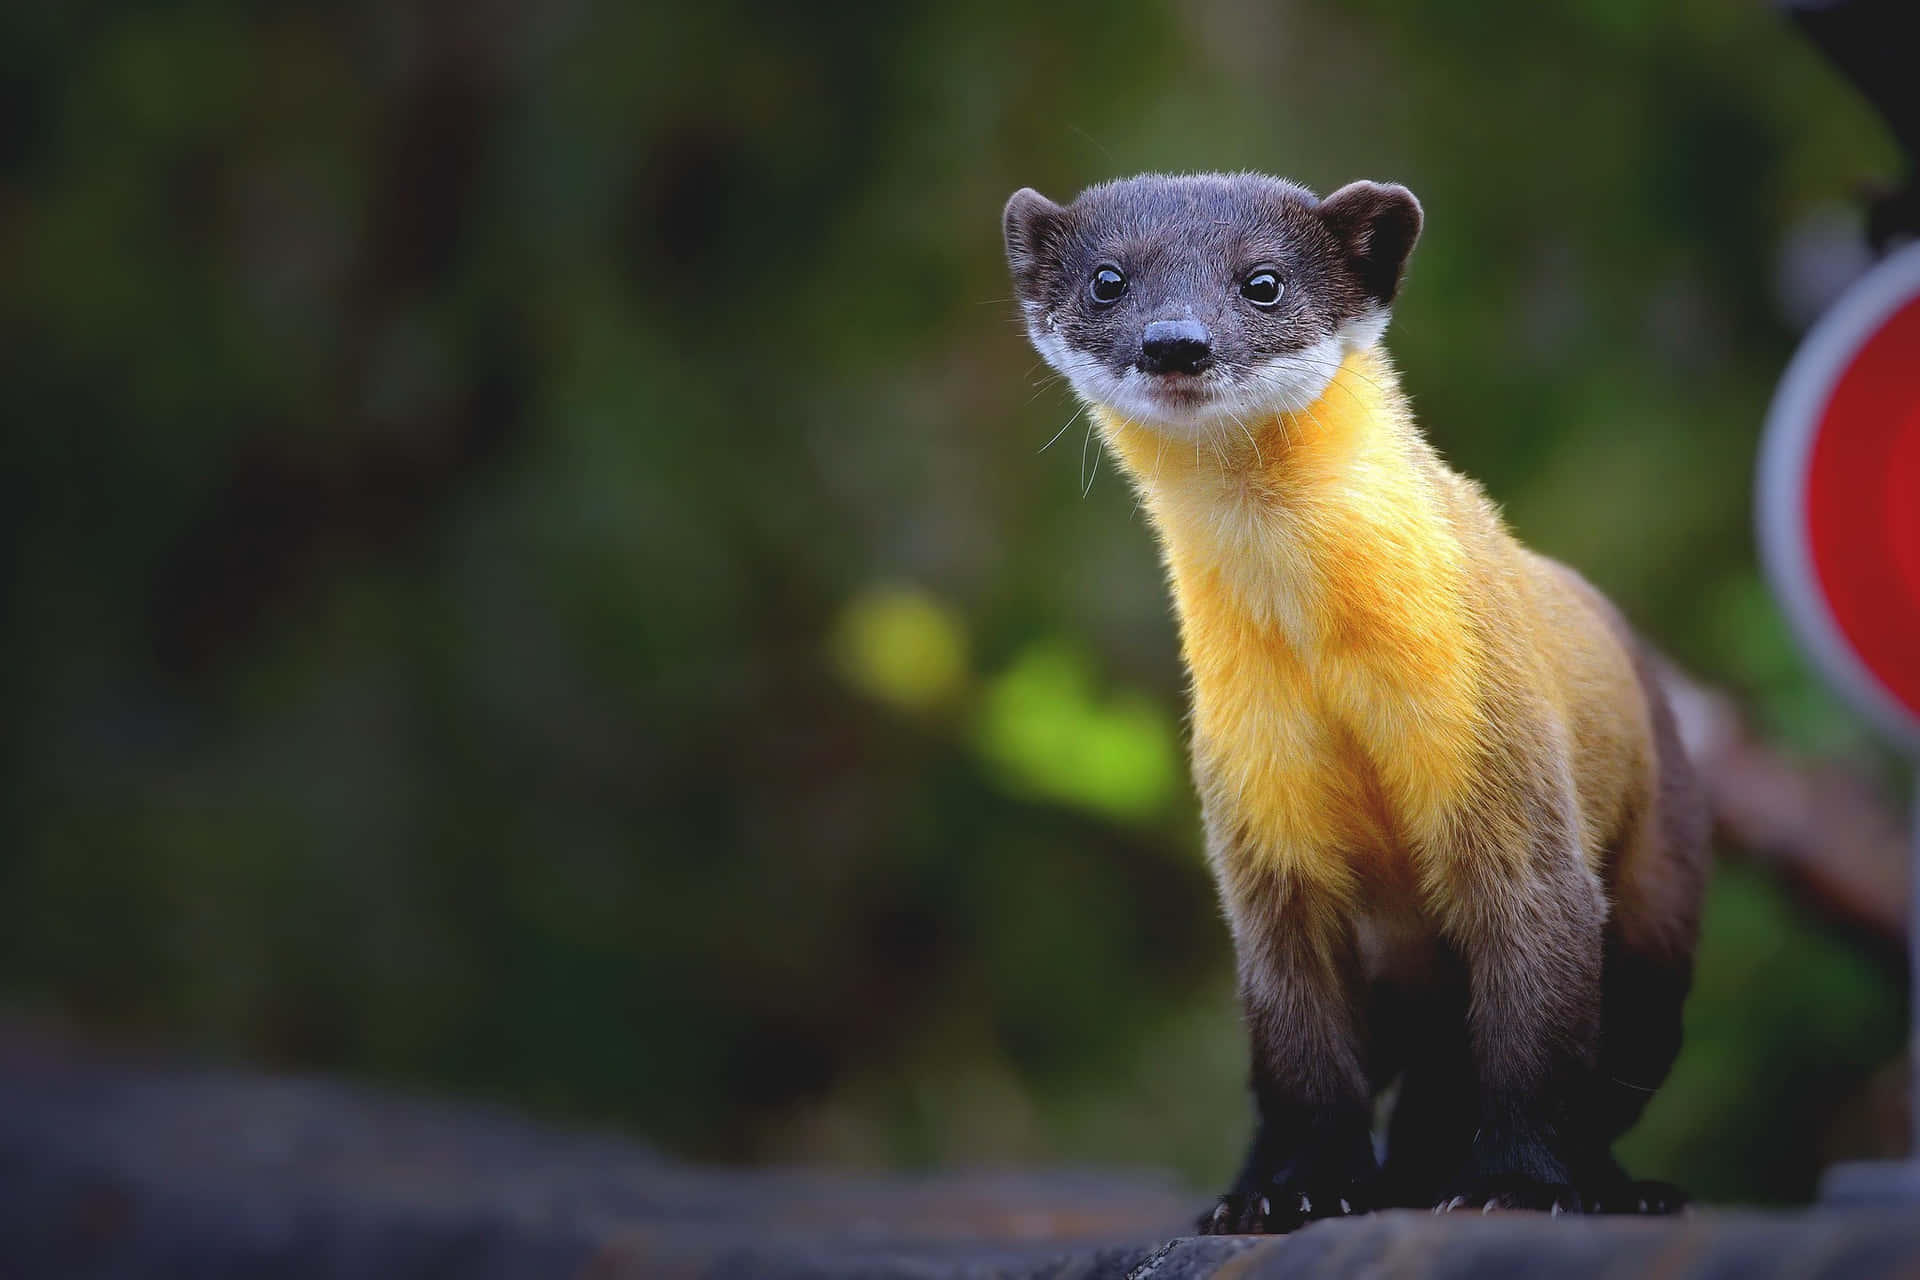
1239, 1213
1639, 1197
1281, 1209
1499, 1193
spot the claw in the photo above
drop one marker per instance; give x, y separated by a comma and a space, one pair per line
1220, 1214
1306, 1205
1457, 1202
1491, 1206
1344, 1206
1557, 1210
1643, 1205
1266, 1207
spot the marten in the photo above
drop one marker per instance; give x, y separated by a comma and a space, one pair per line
1455, 834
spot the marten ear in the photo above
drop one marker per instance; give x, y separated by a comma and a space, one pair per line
1033, 225
1378, 223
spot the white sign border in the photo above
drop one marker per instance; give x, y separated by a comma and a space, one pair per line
1786, 448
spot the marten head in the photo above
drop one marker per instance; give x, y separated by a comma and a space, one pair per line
1181, 302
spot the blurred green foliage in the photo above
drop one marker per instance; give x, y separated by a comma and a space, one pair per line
530, 570
1052, 736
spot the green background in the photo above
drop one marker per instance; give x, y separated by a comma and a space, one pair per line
531, 571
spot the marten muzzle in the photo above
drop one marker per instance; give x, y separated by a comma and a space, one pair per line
1175, 346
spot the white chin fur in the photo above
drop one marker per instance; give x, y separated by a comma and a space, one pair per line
1286, 383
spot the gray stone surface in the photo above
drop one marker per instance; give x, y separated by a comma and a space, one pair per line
123, 1169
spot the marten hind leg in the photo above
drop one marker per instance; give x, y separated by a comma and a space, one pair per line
1640, 1038
1436, 1109
1435, 1115
1659, 876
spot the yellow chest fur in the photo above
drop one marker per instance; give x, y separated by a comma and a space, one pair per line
1320, 591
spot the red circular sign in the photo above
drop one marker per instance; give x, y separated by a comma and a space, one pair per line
1839, 503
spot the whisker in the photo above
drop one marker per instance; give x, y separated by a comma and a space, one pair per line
1344, 389
1063, 429
1241, 423
1040, 388
1213, 442
1263, 404
1316, 419
1140, 490
1286, 427
1083, 459
1338, 368
1286, 435
1334, 372
1095, 141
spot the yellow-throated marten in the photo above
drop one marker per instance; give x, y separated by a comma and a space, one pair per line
1453, 829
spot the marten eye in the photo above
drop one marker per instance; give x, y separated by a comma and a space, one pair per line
1107, 285
1262, 288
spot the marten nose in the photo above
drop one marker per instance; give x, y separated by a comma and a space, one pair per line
1175, 346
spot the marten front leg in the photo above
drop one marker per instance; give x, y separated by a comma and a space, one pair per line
1527, 918
1312, 1154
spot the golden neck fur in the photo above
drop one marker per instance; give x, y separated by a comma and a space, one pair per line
1317, 566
